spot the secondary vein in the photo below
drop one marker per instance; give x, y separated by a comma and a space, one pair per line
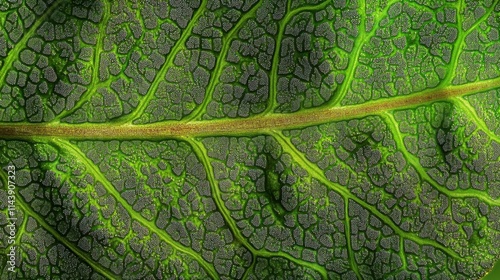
92, 169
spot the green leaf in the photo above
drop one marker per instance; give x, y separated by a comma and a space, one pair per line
249, 139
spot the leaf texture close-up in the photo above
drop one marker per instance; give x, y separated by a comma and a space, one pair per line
249, 139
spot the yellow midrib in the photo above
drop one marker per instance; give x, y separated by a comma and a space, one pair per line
241, 126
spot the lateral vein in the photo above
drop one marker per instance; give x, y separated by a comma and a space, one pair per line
110, 188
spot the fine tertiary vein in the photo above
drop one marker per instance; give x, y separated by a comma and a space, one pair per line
350, 251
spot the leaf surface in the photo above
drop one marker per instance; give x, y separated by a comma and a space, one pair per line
251, 139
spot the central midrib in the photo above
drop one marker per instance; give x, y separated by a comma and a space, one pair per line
239, 126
